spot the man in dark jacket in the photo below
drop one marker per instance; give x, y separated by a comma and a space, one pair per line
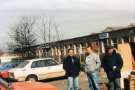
71, 65
112, 64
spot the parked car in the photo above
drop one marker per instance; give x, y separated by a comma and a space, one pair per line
37, 69
7, 66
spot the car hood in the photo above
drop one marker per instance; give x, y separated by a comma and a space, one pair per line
33, 86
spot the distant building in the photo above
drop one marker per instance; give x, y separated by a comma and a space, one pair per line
7, 57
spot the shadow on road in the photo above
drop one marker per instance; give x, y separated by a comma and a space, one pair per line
53, 79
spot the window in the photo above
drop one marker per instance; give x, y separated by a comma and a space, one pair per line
51, 62
37, 64
23, 64
126, 39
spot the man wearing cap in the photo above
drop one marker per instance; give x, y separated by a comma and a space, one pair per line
112, 64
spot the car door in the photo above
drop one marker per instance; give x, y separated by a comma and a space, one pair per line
40, 69
55, 69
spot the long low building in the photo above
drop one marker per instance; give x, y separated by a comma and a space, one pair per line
111, 35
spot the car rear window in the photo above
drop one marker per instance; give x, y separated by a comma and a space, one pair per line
23, 64
50, 62
37, 64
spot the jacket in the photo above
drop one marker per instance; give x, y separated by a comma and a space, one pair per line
72, 66
92, 63
111, 61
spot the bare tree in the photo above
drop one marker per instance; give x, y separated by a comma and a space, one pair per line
57, 32
23, 37
43, 30
49, 30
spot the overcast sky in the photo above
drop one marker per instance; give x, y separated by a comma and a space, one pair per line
74, 17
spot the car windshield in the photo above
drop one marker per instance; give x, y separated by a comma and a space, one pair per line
23, 64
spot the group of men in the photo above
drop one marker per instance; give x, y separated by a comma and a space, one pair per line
111, 62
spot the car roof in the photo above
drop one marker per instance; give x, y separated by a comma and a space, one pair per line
31, 60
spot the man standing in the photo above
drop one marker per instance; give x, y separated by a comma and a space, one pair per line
72, 67
92, 67
112, 64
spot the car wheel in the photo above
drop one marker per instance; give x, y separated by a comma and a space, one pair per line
32, 78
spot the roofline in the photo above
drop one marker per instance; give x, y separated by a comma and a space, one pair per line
38, 59
113, 30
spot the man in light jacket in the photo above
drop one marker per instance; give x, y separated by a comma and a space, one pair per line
92, 67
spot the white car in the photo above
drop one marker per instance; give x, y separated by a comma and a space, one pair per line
37, 69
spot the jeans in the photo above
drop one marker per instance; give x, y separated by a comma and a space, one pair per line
72, 83
115, 84
93, 80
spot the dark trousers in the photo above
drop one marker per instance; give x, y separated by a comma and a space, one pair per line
115, 84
